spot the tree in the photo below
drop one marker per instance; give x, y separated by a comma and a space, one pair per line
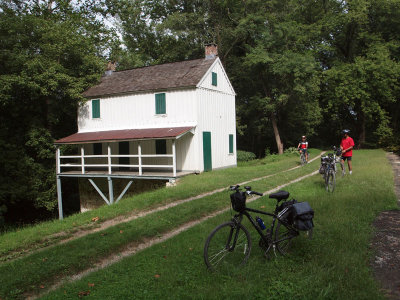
50, 52
284, 72
362, 77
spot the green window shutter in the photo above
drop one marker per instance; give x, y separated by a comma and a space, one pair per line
230, 143
160, 104
95, 108
97, 149
161, 147
214, 78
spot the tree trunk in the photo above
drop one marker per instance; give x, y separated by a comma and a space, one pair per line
361, 137
276, 133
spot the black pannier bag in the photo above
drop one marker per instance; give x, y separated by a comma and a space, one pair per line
303, 216
238, 201
287, 214
324, 161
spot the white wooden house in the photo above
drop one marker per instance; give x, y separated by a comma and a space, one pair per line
156, 122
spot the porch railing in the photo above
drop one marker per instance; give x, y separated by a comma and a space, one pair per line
83, 165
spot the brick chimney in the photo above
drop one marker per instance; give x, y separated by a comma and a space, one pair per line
211, 51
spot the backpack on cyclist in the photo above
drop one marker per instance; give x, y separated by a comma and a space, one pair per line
238, 200
303, 216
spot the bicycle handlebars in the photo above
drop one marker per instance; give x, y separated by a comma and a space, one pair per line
248, 190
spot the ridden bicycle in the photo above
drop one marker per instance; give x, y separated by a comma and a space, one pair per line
328, 168
229, 244
303, 160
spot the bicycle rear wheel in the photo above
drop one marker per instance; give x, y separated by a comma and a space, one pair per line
330, 181
283, 238
227, 247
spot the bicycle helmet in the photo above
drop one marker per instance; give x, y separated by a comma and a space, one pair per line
345, 131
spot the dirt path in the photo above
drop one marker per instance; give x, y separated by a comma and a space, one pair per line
62, 237
136, 247
386, 242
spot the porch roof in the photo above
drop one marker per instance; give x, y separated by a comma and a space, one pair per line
124, 135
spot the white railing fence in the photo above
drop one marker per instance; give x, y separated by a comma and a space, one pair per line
81, 162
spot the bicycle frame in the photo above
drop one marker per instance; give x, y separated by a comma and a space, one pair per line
255, 224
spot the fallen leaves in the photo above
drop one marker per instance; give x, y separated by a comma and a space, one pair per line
95, 219
83, 293
90, 284
121, 231
157, 276
41, 286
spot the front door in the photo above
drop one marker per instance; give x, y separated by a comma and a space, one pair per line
123, 149
207, 151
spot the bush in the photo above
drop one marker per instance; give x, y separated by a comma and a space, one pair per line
291, 150
245, 156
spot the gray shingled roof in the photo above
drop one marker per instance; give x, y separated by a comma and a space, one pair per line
158, 77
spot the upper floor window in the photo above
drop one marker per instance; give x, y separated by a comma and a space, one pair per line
231, 144
214, 79
96, 108
160, 104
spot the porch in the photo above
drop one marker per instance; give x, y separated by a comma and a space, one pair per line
135, 164
126, 154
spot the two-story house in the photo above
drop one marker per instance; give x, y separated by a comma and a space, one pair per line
156, 122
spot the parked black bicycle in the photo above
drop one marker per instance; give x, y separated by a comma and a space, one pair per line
229, 244
328, 168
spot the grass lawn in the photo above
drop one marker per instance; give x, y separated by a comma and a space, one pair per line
334, 265
44, 233
44, 267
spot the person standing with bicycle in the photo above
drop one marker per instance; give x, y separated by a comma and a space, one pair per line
346, 145
303, 147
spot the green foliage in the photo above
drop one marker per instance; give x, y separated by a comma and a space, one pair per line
291, 150
245, 156
50, 52
298, 67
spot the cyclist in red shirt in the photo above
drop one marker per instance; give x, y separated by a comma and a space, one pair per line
346, 145
303, 147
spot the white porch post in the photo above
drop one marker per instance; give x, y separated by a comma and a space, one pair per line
173, 158
83, 159
140, 157
58, 160
110, 190
109, 157
59, 197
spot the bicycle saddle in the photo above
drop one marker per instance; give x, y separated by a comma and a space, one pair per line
281, 195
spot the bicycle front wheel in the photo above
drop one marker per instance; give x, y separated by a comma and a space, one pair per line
303, 159
227, 247
330, 182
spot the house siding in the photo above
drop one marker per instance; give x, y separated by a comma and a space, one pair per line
216, 114
223, 83
207, 108
138, 111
